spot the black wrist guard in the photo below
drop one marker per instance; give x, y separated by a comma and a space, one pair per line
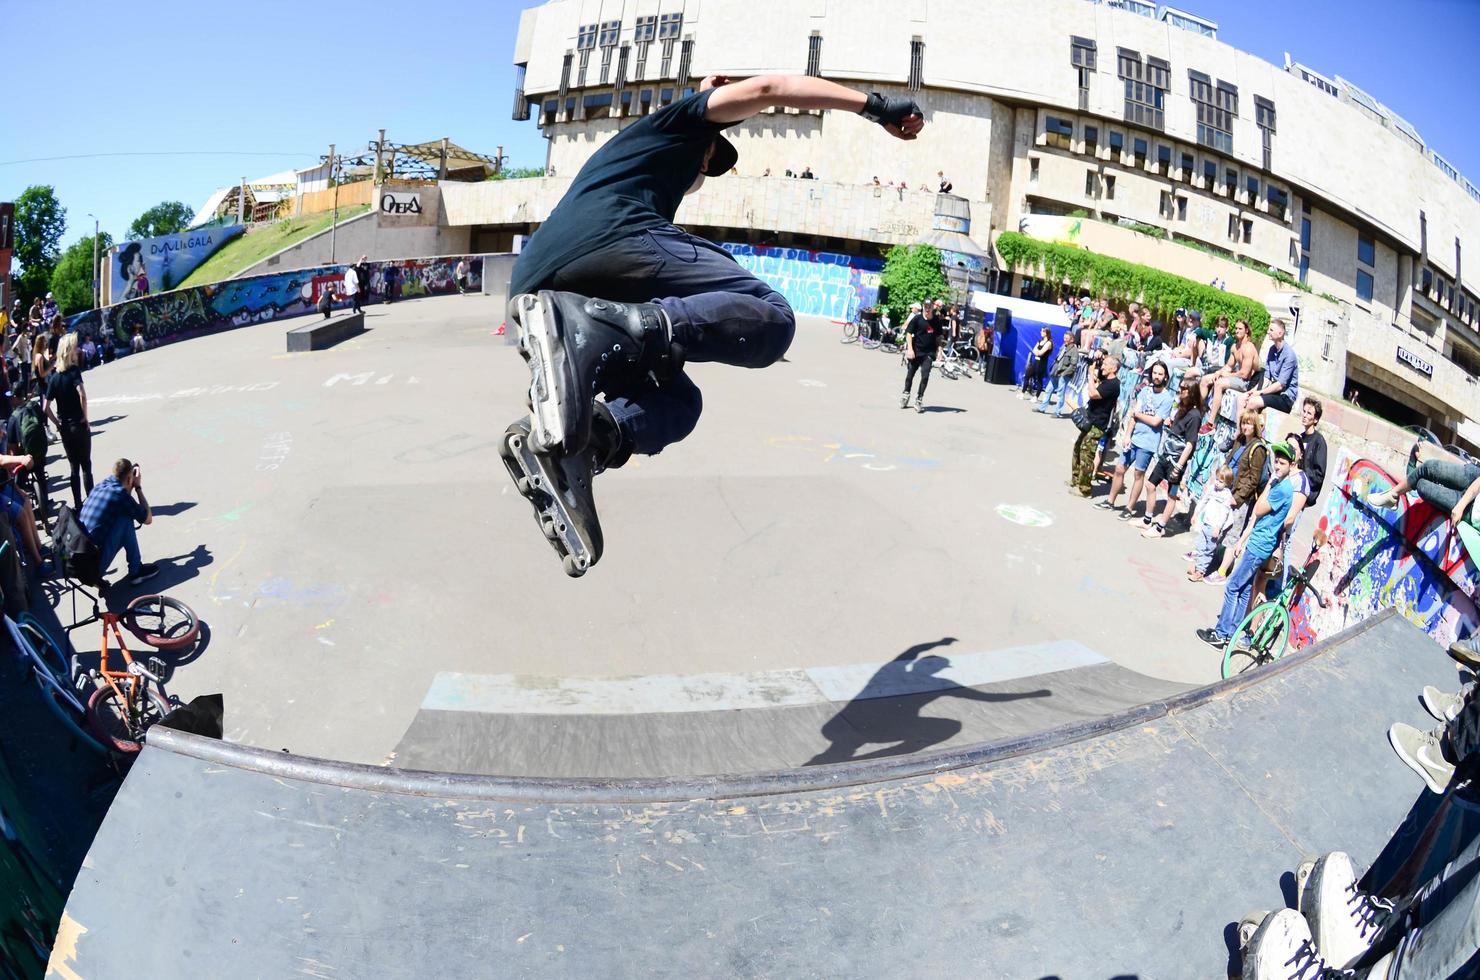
887, 111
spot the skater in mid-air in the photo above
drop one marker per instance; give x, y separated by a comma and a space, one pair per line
611, 298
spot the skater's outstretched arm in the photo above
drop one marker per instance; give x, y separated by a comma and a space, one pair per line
736, 101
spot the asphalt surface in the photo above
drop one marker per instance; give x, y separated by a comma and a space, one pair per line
342, 522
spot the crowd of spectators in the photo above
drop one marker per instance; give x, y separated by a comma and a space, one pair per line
1171, 418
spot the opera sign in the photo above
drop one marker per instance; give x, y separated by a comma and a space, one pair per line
393, 203
1417, 363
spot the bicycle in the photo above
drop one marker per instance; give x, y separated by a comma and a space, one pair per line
850, 330
1268, 624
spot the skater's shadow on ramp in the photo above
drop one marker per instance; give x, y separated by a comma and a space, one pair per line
887, 711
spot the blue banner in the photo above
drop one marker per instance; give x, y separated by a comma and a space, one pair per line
154, 265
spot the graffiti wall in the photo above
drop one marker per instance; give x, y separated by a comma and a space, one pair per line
164, 318
814, 283
154, 265
1409, 558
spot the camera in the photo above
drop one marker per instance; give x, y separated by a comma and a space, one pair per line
1181, 311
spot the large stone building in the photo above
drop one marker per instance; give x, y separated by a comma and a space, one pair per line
1039, 108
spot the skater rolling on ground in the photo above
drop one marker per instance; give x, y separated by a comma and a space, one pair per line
611, 299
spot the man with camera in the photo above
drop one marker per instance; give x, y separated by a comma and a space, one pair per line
108, 515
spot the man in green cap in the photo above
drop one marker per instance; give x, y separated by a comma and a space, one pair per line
1258, 542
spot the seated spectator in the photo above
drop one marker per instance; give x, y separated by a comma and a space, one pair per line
1151, 411
1451, 486
945, 185
1253, 549
1189, 342
1214, 346
1215, 515
17, 507
1249, 459
1177, 444
108, 517
1234, 375
1281, 388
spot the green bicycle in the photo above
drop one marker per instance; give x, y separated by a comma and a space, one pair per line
1267, 625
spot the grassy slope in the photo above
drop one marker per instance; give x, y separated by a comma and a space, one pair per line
249, 249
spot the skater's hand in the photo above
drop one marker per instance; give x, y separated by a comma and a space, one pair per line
713, 81
901, 118
1457, 515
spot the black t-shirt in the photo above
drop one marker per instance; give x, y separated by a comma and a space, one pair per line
1184, 428
636, 181
1314, 462
1153, 343
924, 334
61, 390
1100, 409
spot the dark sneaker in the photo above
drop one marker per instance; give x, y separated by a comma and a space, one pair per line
1212, 637
1467, 652
143, 573
578, 347
559, 487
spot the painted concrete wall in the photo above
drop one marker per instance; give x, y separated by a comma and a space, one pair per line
814, 283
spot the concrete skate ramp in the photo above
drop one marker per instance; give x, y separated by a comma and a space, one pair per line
1119, 847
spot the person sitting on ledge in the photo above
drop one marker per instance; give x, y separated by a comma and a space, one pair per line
1449, 485
108, 516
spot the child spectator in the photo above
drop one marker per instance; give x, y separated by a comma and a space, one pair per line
1214, 517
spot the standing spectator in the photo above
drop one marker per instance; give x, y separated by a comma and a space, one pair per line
1313, 444
1214, 516
362, 272
34, 318
1281, 388
1253, 549
460, 274
1250, 462
108, 517
25, 435
352, 287
21, 351
64, 390
1151, 411
40, 363
326, 301
1102, 391
921, 338
1038, 364
807, 173
1064, 368
1178, 441
1299, 494
388, 278
137, 342
49, 310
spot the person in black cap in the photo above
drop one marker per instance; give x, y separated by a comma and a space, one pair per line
610, 298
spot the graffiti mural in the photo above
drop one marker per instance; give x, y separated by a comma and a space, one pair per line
1410, 559
153, 265
814, 283
164, 318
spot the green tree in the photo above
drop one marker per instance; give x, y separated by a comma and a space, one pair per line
911, 274
164, 218
518, 172
72, 280
40, 220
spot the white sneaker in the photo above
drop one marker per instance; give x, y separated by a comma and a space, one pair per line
1282, 949
1441, 705
1383, 500
1420, 752
904, 400
1343, 919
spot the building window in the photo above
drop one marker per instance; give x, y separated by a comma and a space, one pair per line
1032, 168
621, 82
685, 58
1109, 187
1164, 158
565, 76
1145, 88
1217, 107
1364, 286
1165, 207
586, 37
1233, 227
1251, 184
1091, 139
917, 63
1082, 56
1210, 173
645, 29
521, 113
1230, 181
1140, 150
1304, 267
1305, 234
1089, 183
1059, 132
814, 54
665, 96
1181, 209
1117, 143
1248, 231
1187, 166
1264, 118
609, 32
670, 26
1423, 233
1428, 281
1366, 249
1279, 202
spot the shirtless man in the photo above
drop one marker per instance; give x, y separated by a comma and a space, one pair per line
1235, 375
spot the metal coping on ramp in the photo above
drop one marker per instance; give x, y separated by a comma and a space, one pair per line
550, 790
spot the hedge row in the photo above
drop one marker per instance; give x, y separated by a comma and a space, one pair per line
1124, 282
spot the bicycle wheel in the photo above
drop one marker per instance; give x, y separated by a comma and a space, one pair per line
162, 622
119, 725
66, 703
850, 332
49, 653
1268, 629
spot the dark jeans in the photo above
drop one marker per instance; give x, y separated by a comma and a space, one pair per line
77, 443
719, 312
922, 363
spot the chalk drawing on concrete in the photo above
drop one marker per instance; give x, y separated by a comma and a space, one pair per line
1024, 515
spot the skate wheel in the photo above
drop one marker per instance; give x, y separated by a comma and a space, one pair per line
548, 527
1302, 875
1247, 926
523, 486
574, 567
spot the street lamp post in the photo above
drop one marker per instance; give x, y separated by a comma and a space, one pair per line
96, 279
334, 227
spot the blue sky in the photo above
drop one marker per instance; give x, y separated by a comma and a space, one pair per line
89, 78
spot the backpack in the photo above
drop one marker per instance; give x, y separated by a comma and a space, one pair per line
74, 549
1264, 470
33, 432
